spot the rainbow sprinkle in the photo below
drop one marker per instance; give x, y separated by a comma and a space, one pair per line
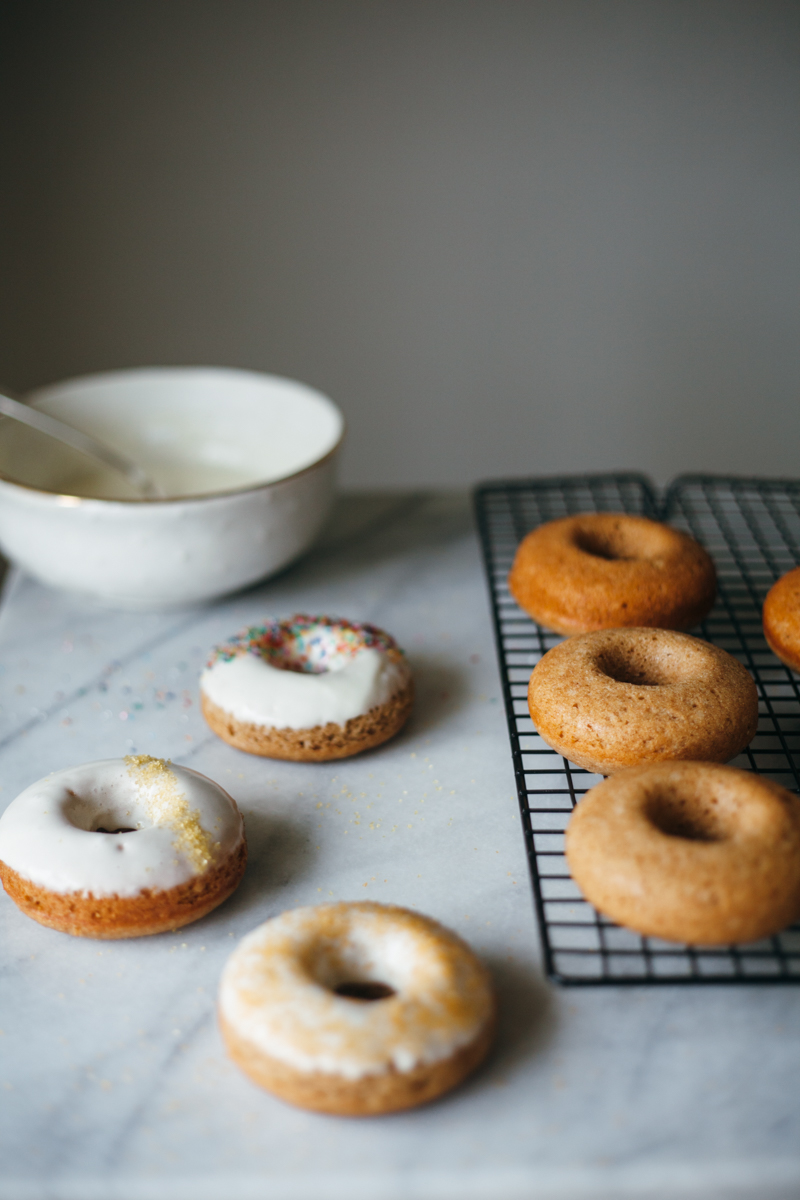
303, 643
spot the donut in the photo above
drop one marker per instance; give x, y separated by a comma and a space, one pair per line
606, 570
121, 848
781, 619
309, 689
355, 1009
690, 852
620, 697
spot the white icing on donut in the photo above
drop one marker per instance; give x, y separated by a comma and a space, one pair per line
181, 822
277, 990
252, 690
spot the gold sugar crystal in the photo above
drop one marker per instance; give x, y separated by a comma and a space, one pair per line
167, 806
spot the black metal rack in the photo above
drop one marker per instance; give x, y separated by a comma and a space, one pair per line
751, 527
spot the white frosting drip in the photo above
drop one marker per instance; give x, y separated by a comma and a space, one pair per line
253, 691
46, 834
277, 990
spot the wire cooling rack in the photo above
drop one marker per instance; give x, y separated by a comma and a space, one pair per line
751, 527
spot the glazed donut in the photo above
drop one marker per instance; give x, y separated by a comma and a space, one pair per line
121, 848
690, 852
606, 570
782, 619
355, 1009
309, 689
620, 697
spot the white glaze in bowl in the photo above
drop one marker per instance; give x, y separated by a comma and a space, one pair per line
246, 461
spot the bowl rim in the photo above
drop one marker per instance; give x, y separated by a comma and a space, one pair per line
70, 500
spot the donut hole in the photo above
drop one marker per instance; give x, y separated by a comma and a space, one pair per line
614, 544
103, 815
111, 822
690, 817
307, 651
640, 665
366, 989
350, 968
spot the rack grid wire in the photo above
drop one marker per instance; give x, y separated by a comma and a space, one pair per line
751, 527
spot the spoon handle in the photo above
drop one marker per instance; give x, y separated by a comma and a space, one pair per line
54, 428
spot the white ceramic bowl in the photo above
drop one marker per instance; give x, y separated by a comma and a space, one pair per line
246, 461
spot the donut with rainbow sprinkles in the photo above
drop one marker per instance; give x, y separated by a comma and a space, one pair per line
309, 689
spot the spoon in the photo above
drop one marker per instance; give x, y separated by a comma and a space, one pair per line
54, 428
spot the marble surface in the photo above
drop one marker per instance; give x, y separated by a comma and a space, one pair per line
113, 1078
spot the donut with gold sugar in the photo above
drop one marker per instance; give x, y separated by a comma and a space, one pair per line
121, 848
355, 1009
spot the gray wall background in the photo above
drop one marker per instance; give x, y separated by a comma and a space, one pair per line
507, 237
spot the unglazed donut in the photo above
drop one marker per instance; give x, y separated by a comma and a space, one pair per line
121, 848
781, 618
309, 689
356, 1009
620, 697
606, 570
690, 852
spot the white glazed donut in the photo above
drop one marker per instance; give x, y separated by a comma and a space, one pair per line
309, 689
355, 1008
121, 847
